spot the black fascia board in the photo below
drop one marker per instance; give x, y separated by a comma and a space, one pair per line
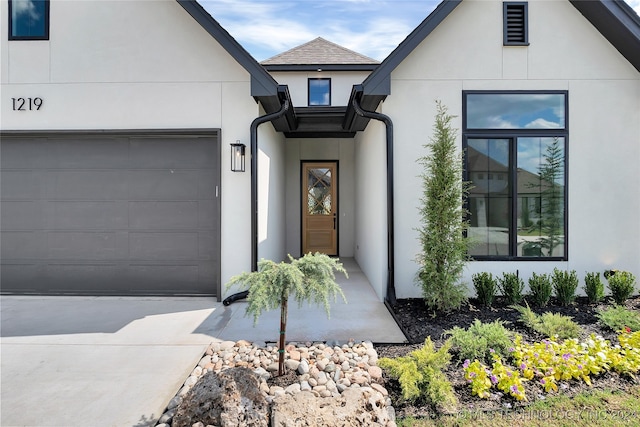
323, 67
262, 84
617, 22
378, 82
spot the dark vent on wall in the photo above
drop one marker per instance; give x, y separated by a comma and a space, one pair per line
515, 24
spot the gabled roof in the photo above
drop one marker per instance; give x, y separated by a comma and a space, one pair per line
617, 22
263, 87
319, 54
614, 19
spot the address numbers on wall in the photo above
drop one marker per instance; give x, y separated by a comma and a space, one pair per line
27, 104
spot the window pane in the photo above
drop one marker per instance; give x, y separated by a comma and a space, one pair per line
541, 184
319, 92
489, 199
28, 18
515, 111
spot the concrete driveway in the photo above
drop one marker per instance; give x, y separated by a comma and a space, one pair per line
107, 361
117, 361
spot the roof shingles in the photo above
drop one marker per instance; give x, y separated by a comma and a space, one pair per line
319, 52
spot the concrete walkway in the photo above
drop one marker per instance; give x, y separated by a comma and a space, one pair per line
117, 361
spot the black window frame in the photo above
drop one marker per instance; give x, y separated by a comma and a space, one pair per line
505, 27
309, 80
513, 135
45, 36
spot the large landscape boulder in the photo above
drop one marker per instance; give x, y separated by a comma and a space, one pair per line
354, 407
231, 398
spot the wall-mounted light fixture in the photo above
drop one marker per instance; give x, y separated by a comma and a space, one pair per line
237, 156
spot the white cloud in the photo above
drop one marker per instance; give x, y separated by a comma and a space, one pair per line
25, 7
542, 124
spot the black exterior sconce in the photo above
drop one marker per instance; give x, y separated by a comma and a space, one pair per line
237, 156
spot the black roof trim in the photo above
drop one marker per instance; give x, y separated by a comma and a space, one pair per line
323, 67
617, 22
262, 84
378, 82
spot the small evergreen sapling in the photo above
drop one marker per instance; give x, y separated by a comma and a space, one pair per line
443, 217
621, 284
594, 288
512, 286
486, 287
541, 289
308, 279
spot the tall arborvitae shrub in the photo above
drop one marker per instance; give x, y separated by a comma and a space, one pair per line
443, 219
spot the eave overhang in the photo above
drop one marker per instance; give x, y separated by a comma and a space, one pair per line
617, 22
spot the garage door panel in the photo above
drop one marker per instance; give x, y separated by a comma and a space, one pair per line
22, 184
92, 215
154, 153
22, 215
164, 184
206, 211
205, 190
87, 184
25, 153
163, 246
82, 246
163, 215
20, 245
88, 153
110, 214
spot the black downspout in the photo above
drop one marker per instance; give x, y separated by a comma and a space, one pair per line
391, 289
284, 107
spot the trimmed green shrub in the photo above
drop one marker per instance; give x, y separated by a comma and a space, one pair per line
621, 284
512, 286
618, 317
420, 375
565, 285
549, 324
541, 289
486, 288
480, 340
593, 287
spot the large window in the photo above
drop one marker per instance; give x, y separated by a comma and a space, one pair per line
515, 158
319, 92
28, 19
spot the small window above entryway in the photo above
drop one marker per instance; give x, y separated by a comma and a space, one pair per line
28, 20
319, 92
515, 24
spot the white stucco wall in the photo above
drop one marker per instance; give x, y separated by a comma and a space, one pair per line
566, 53
370, 205
141, 65
338, 149
341, 84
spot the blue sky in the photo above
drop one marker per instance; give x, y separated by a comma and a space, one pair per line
370, 27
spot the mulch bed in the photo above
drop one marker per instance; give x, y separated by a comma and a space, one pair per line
418, 324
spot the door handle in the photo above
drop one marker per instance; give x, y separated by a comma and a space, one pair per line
334, 221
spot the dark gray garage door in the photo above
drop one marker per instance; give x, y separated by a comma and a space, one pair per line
110, 214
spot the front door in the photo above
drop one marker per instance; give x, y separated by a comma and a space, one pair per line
320, 207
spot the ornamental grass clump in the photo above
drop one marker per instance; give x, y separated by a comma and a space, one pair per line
618, 318
621, 285
565, 285
480, 340
421, 377
512, 287
486, 288
549, 324
593, 287
540, 289
308, 279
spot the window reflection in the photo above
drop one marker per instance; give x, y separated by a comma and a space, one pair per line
29, 19
515, 111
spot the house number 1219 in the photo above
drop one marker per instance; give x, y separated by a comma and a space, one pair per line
26, 104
